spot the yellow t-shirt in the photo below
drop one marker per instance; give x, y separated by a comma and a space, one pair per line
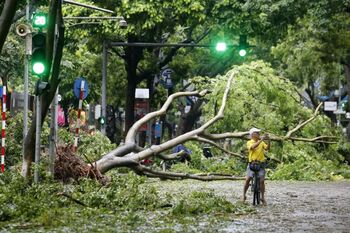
258, 152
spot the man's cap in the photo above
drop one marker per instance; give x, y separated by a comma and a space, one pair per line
254, 130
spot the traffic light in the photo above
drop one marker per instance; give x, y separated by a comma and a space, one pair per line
242, 45
102, 120
221, 46
39, 20
39, 65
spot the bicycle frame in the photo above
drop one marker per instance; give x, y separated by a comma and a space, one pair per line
256, 188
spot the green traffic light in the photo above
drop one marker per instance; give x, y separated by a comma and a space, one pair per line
221, 46
39, 64
39, 20
242, 52
38, 68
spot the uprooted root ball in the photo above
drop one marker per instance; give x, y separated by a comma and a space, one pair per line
69, 166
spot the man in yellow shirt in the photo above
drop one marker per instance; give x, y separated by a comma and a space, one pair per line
256, 148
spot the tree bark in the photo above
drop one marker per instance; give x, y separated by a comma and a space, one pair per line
133, 56
6, 17
188, 120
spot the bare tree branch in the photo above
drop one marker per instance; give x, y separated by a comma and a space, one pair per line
108, 162
316, 139
130, 137
172, 156
201, 139
156, 149
71, 198
299, 126
225, 135
244, 135
169, 175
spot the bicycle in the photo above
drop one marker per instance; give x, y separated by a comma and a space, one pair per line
255, 167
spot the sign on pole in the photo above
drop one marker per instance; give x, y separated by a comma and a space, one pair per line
330, 105
142, 93
166, 78
78, 86
80, 91
140, 110
98, 111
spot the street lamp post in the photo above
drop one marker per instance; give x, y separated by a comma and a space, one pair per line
103, 88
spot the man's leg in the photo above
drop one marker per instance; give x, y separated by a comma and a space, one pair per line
246, 186
262, 186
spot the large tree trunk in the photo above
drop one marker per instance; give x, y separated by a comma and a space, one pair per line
130, 102
133, 56
188, 120
29, 146
7, 14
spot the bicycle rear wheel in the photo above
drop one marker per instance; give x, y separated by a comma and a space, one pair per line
256, 196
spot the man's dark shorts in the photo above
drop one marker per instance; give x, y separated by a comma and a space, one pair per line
261, 173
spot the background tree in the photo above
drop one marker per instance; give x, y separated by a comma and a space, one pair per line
8, 12
316, 49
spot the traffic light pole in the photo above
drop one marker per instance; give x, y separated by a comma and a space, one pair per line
37, 137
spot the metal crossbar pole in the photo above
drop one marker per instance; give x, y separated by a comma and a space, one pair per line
144, 44
102, 17
88, 6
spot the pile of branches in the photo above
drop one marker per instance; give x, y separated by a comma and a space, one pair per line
69, 166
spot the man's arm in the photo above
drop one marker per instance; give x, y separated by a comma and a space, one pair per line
256, 144
268, 141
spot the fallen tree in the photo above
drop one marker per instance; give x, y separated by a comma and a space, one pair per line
130, 154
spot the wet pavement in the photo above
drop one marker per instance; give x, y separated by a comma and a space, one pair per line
293, 206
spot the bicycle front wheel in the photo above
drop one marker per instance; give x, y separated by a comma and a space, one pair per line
256, 196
